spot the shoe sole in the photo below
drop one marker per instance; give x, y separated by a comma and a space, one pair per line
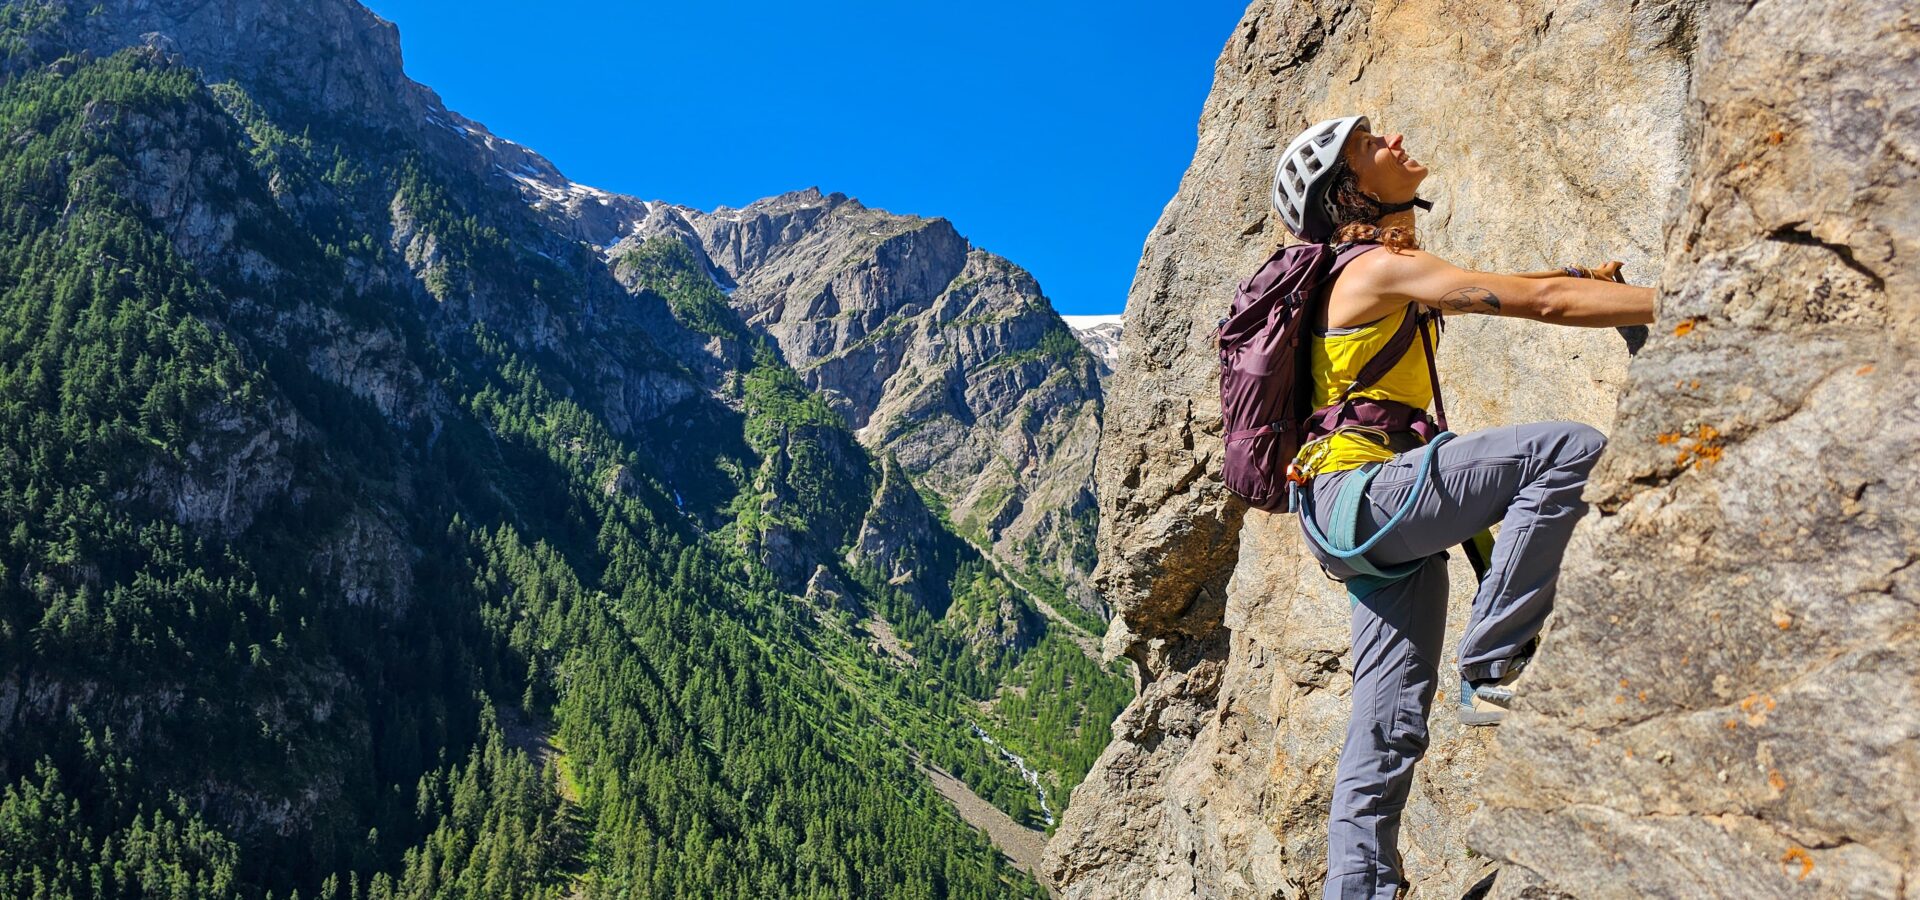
1474, 712
1474, 717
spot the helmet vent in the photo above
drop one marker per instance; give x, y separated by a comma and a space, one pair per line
1305, 169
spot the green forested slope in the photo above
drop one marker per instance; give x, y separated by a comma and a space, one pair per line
327, 569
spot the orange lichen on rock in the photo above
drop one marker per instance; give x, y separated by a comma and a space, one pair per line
1776, 137
1756, 706
1685, 326
1799, 855
1755, 701
1775, 780
1700, 449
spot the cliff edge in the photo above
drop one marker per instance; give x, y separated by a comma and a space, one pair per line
1730, 708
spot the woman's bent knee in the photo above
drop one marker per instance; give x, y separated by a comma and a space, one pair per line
1577, 442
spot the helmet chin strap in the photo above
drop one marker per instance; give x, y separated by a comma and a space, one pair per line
1386, 208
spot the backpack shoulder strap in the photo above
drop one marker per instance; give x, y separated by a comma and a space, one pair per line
1414, 322
1390, 354
1433, 370
1346, 253
1396, 346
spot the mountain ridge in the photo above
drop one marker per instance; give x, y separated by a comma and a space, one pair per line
413, 538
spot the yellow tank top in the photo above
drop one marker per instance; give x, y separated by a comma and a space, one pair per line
1337, 359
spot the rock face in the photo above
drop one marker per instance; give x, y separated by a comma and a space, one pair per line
329, 58
1217, 780
944, 355
899, 537
1732, 704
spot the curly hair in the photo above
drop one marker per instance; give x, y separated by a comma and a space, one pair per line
1356, 216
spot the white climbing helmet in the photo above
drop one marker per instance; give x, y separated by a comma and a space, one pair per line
1301, 179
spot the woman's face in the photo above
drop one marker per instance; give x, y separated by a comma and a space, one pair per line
1382, 168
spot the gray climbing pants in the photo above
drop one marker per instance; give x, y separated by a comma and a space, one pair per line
1526, 477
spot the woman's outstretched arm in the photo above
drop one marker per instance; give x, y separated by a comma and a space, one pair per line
1420, 277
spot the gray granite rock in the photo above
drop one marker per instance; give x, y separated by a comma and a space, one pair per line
1556, 135
326, 56
1730, 705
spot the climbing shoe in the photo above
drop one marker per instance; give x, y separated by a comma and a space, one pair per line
1485, 703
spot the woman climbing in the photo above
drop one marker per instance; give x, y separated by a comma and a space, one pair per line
1339, 183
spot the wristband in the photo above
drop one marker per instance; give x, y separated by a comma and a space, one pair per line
1575, 272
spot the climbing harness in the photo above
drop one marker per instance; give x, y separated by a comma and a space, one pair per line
1344, 521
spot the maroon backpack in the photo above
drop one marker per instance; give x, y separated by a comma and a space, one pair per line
1265, 385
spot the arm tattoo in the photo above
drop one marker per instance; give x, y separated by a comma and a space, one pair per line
1471, 299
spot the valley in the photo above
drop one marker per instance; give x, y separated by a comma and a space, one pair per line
389, 516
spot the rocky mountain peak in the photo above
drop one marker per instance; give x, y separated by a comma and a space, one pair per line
1101, 336
330, 56
933, 349
804, 198
337, 61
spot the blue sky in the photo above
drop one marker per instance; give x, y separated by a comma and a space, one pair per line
1049, 133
